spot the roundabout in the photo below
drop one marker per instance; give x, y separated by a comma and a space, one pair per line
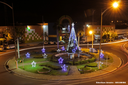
76, 75
21, 77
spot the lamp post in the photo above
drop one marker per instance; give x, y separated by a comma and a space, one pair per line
90, 32
13, 28
115, 5
43, 35
87, 26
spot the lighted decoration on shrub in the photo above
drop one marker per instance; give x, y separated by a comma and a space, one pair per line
45, 56
100, 63
73, 50
27, 55
62, 48
43, 50
80, 48
64, 67
58, 50
76, 47
101, 55
33, 64
60, 60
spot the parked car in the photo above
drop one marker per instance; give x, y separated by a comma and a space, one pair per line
1, 47
124, 37
51, 42
9, 45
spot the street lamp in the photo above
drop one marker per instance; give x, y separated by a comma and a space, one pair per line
90, 32
115, 5
87, 26
13, 28
43, 34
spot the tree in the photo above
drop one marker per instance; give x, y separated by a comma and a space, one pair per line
66, 39
16, 33
19, 31
57, 27
80, 32
45, 35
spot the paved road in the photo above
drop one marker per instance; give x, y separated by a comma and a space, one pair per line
121, 74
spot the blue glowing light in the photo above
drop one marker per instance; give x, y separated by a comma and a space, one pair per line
76, 47
27, 55
80, 48
101, 55
60, 60
64, 67
43, 50
62, 48
73, 50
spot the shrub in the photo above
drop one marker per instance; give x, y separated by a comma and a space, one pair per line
50, 57
34, 52
84, 61
76, 62
37, 56
55, 67
53, 50
85, 70
70, 62
92, 65
92, 59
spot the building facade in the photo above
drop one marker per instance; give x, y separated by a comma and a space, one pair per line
106, 29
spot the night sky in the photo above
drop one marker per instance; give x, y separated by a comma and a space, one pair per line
31, 11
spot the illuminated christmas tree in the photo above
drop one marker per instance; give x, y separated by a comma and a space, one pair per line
72, 44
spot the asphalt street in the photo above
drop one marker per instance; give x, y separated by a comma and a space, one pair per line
120, 75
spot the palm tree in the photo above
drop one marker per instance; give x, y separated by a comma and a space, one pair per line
57, 27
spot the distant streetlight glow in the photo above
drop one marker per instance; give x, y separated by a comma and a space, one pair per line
87, 25
90, 32
115, 4
44, 26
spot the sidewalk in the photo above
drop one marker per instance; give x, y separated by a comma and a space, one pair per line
32, 43
113, 66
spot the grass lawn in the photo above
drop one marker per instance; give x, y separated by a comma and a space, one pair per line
39, 68
90, 67
55, 68
35, 57
107, 55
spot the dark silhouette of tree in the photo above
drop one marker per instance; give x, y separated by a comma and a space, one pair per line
58, 27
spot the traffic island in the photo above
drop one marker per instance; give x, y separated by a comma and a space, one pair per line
48, 69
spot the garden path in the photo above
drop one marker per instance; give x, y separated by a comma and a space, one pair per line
73, 70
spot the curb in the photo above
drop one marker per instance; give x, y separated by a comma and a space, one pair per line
81, 76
